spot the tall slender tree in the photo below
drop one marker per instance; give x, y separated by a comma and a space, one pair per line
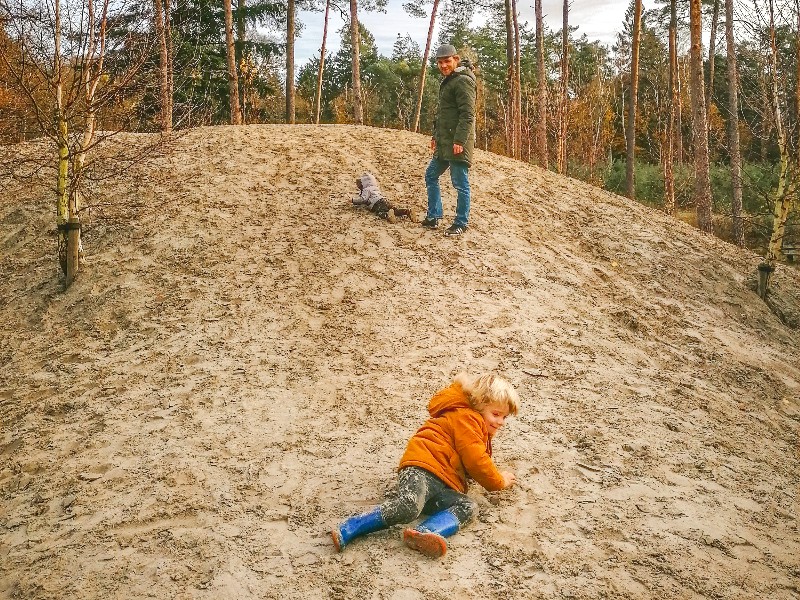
233, 77
563, 106
671, 133
517, 83
783, 200
510, 120
165, 75
358, 101
733, 128
321, 69
290, 35
541, 95
712, 55
424, 68
702, 185
630, 170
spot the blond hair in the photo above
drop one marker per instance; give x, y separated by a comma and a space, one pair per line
488, 388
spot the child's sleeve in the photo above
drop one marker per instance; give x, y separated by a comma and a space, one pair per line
472, 449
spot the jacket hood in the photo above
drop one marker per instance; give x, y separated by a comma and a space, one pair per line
448, 399
464, 70
368, 181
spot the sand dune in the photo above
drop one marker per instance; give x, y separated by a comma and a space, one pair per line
245, 354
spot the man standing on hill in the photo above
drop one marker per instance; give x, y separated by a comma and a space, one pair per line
453, 139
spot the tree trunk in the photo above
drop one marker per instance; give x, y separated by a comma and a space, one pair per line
517, 84
712, 55
783, 200
233, 78
62, 208
163, 64
541, 96
511, 128
630, 168
733, 128
170, 60
241, 32
290, 34
702, 186
423, 70
561, 163
318, 97
669, 159
355, 39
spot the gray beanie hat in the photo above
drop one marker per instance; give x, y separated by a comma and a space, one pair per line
446, 50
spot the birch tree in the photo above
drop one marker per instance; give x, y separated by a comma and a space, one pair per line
782, 203
62, 75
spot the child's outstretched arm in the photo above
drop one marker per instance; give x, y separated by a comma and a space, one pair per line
476, 460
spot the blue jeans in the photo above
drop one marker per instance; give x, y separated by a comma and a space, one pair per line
459, 177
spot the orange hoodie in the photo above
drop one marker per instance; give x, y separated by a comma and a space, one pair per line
454, 443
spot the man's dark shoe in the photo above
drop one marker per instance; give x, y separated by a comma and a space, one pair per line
430, 223
454, 230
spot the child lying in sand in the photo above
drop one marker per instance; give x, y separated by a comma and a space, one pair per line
454, 444
371, 196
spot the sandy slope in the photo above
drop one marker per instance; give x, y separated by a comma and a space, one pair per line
244, 356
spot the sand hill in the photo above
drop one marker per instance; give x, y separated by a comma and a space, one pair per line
245, 354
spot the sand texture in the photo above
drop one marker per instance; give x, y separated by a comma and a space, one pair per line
245, 354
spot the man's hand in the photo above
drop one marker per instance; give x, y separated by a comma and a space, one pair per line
433, 145
509, 479
458, 148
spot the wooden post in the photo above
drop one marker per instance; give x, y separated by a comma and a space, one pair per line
764, 274
73, 246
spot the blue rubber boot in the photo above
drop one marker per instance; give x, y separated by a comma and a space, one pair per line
355, 526
428, 536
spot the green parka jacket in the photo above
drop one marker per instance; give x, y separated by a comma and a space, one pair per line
455, 121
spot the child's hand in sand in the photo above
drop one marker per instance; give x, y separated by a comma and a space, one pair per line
509, 479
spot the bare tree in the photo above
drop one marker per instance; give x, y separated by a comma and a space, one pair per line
630, 174
783, 200
702, 185
541, 96
563, 106
424, 68
290, 35
733, 128
233, 77
355, 38
318, 97
61, 73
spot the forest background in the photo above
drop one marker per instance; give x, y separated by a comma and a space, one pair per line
720, 151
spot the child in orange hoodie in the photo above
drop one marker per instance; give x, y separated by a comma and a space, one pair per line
453, 445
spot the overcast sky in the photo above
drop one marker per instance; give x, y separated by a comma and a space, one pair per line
598, 19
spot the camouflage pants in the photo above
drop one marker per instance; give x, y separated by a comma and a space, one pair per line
418, 491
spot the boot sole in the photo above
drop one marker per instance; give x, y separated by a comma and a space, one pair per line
336, 540
429, 544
